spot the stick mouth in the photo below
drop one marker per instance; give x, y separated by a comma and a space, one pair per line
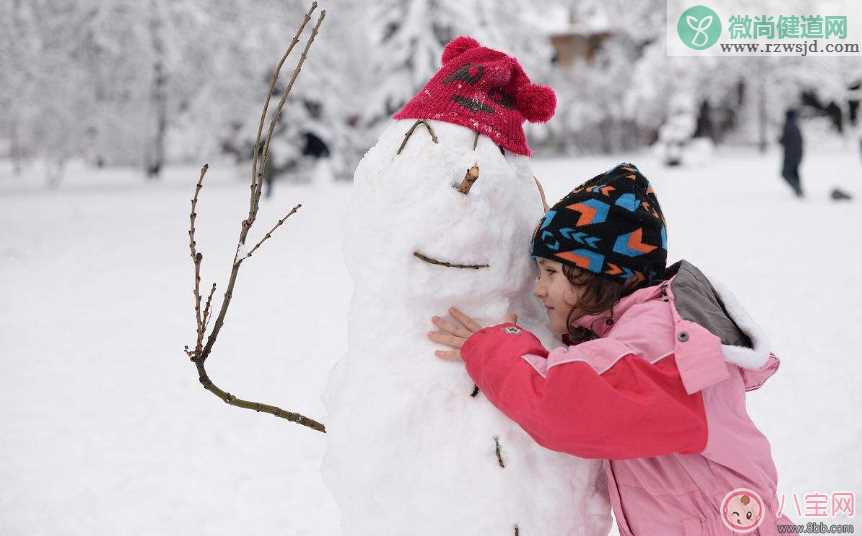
438, 262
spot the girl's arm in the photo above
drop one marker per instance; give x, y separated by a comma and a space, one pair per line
633, 409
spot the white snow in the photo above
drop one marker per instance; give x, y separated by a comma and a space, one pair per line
104, 428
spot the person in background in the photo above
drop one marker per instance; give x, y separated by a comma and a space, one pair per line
791, 139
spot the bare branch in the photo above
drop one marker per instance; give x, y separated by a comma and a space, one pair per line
207, 307
430, 260
256, 150
197, 258
499, 451
410, 133
268, 234
541, 194
257, 178
256, 406
470, 177
260, 158
248, 222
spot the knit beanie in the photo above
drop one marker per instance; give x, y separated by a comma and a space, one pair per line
484, 90
611, 225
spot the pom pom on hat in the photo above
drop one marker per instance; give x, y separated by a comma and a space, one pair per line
536, 103
458, 46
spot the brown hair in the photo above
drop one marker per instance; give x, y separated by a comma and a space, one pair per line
600, 294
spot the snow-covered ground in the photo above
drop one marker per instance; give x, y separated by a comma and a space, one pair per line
104, 428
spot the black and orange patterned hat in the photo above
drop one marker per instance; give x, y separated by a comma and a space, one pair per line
611, 225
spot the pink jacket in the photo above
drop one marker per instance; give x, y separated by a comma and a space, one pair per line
658, 395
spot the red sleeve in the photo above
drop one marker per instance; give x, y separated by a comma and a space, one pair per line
634, 409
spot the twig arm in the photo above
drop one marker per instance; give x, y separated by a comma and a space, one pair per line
201, 351
197, 258
256, 406
256, 175
268, 234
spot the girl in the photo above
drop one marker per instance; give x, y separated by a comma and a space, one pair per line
653, 374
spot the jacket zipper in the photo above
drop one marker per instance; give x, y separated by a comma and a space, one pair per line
625, 529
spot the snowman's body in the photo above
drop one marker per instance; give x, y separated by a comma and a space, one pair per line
409, 450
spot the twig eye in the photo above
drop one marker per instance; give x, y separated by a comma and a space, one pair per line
410, 133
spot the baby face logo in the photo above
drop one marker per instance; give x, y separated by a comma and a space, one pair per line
699, 27
742, 510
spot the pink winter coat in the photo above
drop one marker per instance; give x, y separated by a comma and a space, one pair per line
660, 396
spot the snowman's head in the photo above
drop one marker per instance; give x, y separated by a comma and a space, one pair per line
445, 202
441, 212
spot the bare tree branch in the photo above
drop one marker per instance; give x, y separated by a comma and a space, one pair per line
498, 449
202, 351
256, 406
197, 258
268, 235
545, 206
431, 260
207, 307
470, 177
255, 198
409, 133
257, 178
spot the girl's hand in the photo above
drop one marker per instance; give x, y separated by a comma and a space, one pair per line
453, 334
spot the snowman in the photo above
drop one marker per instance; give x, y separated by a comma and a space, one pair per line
442, 211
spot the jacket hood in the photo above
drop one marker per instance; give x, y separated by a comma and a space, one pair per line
713, 306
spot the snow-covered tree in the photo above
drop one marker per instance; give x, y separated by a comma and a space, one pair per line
142, 83
44, 94
408, 37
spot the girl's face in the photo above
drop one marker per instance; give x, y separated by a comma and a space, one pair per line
558, 295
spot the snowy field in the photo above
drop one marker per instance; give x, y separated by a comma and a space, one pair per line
104, 428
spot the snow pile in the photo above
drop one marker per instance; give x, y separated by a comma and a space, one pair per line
409, 450
135, 432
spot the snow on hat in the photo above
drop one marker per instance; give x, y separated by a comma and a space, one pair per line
611, 225
484, 90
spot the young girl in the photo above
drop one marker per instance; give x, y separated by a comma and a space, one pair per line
653, 374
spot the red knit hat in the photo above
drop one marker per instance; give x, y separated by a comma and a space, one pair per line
484, 90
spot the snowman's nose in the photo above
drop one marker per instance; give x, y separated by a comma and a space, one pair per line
470, 177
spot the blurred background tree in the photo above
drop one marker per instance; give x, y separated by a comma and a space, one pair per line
155, 82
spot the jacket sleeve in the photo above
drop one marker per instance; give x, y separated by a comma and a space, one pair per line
633, 409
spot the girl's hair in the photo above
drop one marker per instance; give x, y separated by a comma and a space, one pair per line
600, 294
